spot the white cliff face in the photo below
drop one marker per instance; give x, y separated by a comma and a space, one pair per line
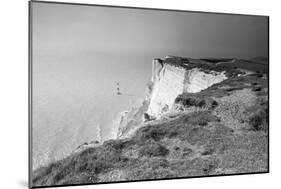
169, 81
196, 80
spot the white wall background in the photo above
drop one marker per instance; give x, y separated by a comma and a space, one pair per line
14, 88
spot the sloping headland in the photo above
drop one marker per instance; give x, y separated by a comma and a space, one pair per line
201, 117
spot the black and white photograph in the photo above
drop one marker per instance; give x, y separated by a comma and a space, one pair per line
121, 94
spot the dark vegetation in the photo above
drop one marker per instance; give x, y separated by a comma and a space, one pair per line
196, 100
259, 119
153, 150
184, 128
230, 66
217, 60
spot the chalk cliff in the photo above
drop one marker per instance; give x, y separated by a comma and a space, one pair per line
172, 79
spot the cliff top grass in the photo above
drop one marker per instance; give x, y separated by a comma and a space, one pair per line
231, 66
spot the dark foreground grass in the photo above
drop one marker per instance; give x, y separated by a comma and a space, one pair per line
221, 151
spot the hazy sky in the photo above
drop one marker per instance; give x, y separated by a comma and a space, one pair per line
80, 52
68, 28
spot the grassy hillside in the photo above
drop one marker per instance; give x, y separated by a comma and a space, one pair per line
221, 130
